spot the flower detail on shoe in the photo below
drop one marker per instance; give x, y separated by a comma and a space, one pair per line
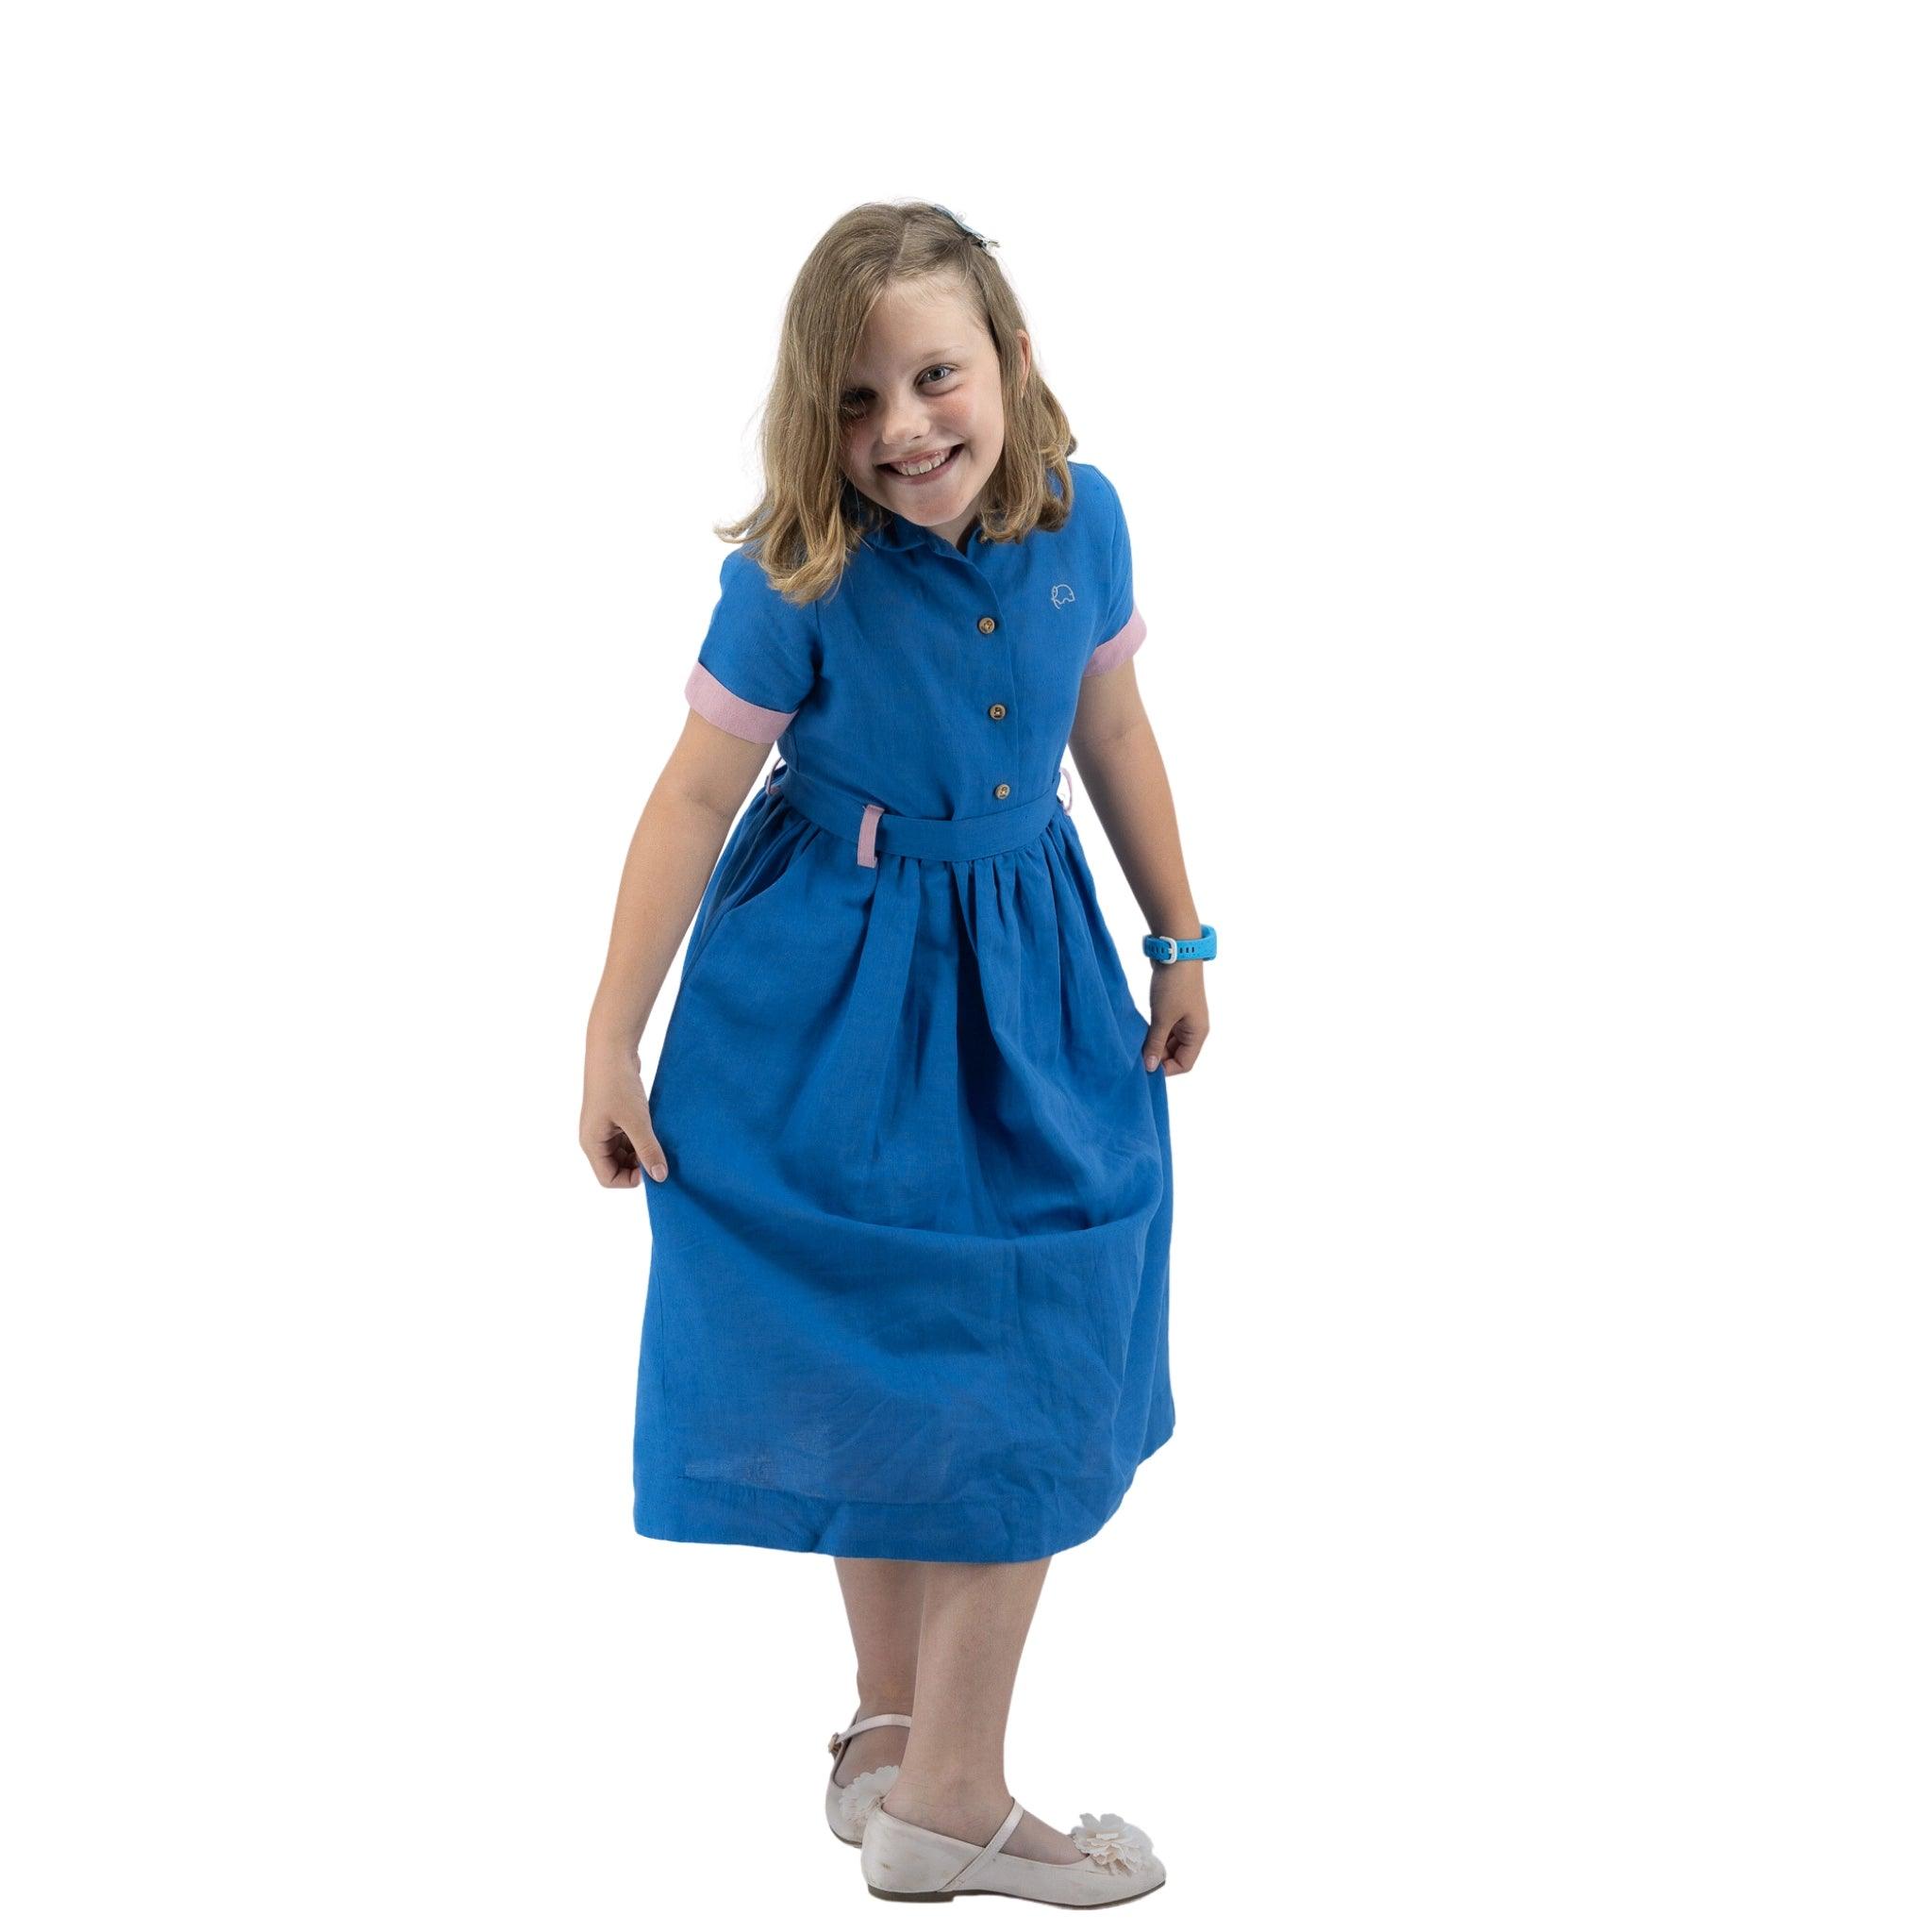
1112, 1843
859, 1800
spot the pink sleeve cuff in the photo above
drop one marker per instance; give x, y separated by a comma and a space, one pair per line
1119, 647
709, 699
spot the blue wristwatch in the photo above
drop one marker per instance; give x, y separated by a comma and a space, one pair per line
1158, 946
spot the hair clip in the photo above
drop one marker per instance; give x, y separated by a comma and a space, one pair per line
979, 240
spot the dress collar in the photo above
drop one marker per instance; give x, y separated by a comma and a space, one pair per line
899, 533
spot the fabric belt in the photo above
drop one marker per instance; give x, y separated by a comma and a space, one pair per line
873, 829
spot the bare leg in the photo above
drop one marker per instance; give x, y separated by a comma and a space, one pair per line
953, 1777
883, 1603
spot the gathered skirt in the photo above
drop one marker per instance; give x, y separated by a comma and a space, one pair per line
907, 1288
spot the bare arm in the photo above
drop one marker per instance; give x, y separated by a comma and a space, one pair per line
678, 836
1118, 760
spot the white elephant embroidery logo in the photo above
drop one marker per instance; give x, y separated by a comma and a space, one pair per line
1062, 594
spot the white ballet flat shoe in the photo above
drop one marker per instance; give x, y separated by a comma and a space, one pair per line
920, 1867
847, 1806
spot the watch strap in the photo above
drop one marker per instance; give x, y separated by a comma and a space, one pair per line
1166, 949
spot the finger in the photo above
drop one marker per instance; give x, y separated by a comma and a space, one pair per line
610, 1157
591, 1140
648, 1147
1153, 1047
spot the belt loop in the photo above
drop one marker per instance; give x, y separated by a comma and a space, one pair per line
868, 834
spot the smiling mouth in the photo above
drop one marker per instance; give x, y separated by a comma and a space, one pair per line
918, 468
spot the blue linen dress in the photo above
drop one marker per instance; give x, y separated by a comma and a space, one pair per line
907, 1291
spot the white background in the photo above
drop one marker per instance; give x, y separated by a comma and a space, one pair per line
1522, 415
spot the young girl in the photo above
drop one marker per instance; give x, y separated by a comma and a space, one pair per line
907, 1137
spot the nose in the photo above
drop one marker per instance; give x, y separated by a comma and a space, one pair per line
905, 423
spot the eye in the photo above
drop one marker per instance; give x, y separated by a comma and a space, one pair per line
853, 402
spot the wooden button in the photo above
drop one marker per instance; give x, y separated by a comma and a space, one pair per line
987, 624
995, 710
1001, 791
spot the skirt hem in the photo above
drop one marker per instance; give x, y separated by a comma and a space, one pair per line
935, 1533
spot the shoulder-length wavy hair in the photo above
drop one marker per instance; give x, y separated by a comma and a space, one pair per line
810, 518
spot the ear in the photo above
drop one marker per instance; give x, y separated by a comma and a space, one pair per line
1026, 348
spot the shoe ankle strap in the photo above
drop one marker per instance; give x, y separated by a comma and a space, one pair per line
867, 1723
988, 1852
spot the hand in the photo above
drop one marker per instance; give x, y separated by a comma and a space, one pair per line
616, 1125
1178, 1001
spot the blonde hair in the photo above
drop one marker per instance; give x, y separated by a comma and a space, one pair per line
811, 518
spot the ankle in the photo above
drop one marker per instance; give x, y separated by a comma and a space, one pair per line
954, 1794
971, 1814
876, 1700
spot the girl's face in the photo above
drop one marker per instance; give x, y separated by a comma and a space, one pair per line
925, 383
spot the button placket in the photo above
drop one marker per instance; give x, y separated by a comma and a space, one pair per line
987, 625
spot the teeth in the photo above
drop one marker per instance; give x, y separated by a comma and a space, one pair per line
920, 469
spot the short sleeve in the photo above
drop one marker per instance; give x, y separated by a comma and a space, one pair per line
759, 659
1122, 628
